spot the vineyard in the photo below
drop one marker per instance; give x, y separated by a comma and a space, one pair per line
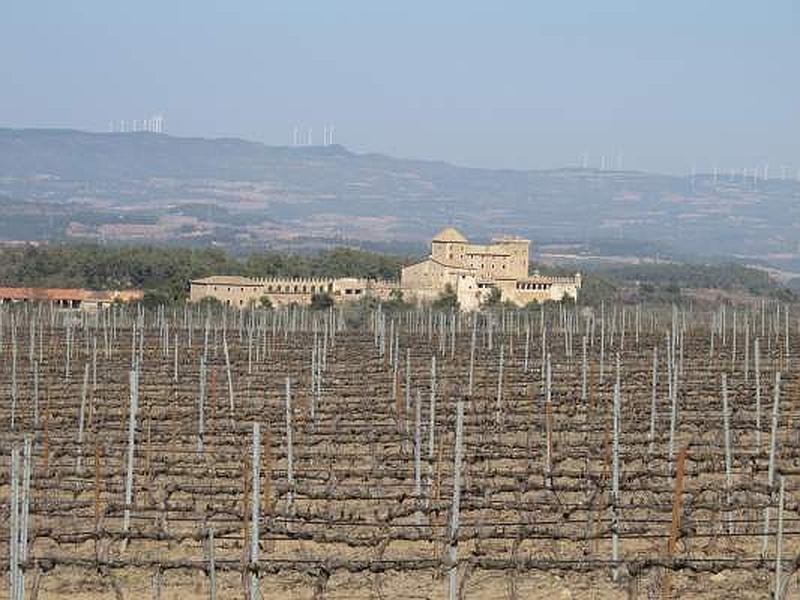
625, 452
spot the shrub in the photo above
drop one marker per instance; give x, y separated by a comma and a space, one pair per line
321, 301
447, 300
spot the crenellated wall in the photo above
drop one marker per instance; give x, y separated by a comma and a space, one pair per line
243, 291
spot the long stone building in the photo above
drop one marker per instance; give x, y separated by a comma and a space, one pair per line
84, 299
472, 271
241, 292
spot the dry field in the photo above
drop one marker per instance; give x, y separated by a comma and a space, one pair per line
631, 452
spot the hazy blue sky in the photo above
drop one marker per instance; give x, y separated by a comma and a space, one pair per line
517, 84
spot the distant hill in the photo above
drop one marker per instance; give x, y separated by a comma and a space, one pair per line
63, 184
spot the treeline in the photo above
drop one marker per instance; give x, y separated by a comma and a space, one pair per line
727, 276
164, 273
666, 283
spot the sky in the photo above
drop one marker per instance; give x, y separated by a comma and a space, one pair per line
660, 86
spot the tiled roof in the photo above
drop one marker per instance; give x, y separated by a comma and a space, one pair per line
449, 234
226, 280
68, 294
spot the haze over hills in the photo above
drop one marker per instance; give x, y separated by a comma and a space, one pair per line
65, 184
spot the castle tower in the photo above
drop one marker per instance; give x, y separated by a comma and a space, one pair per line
448, 246
518, 256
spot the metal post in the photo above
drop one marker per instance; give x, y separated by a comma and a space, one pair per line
728, 457
498, 414
757, 360
175, 360
36, 394
615, 487
771, 470
13, 542
212, 566
653, 398
201, 402
134, 406
584, 372
454, 511
289, 449
22, 553
472, 354
432, 418
81, 418
228, 370
418, 445
779, 544
255, 503
13, 374
408, 381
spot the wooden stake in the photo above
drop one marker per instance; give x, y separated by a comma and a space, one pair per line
677, 502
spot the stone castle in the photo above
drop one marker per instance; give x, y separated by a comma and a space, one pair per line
471, 271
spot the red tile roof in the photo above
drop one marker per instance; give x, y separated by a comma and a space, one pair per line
68, 294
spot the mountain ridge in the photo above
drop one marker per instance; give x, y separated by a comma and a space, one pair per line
62, 184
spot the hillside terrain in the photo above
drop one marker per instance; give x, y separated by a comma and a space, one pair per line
70, 185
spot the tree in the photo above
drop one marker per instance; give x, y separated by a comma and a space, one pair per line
265, 302
209, 303
493, 299
447, 300
396, 302
321, 301
154, 298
